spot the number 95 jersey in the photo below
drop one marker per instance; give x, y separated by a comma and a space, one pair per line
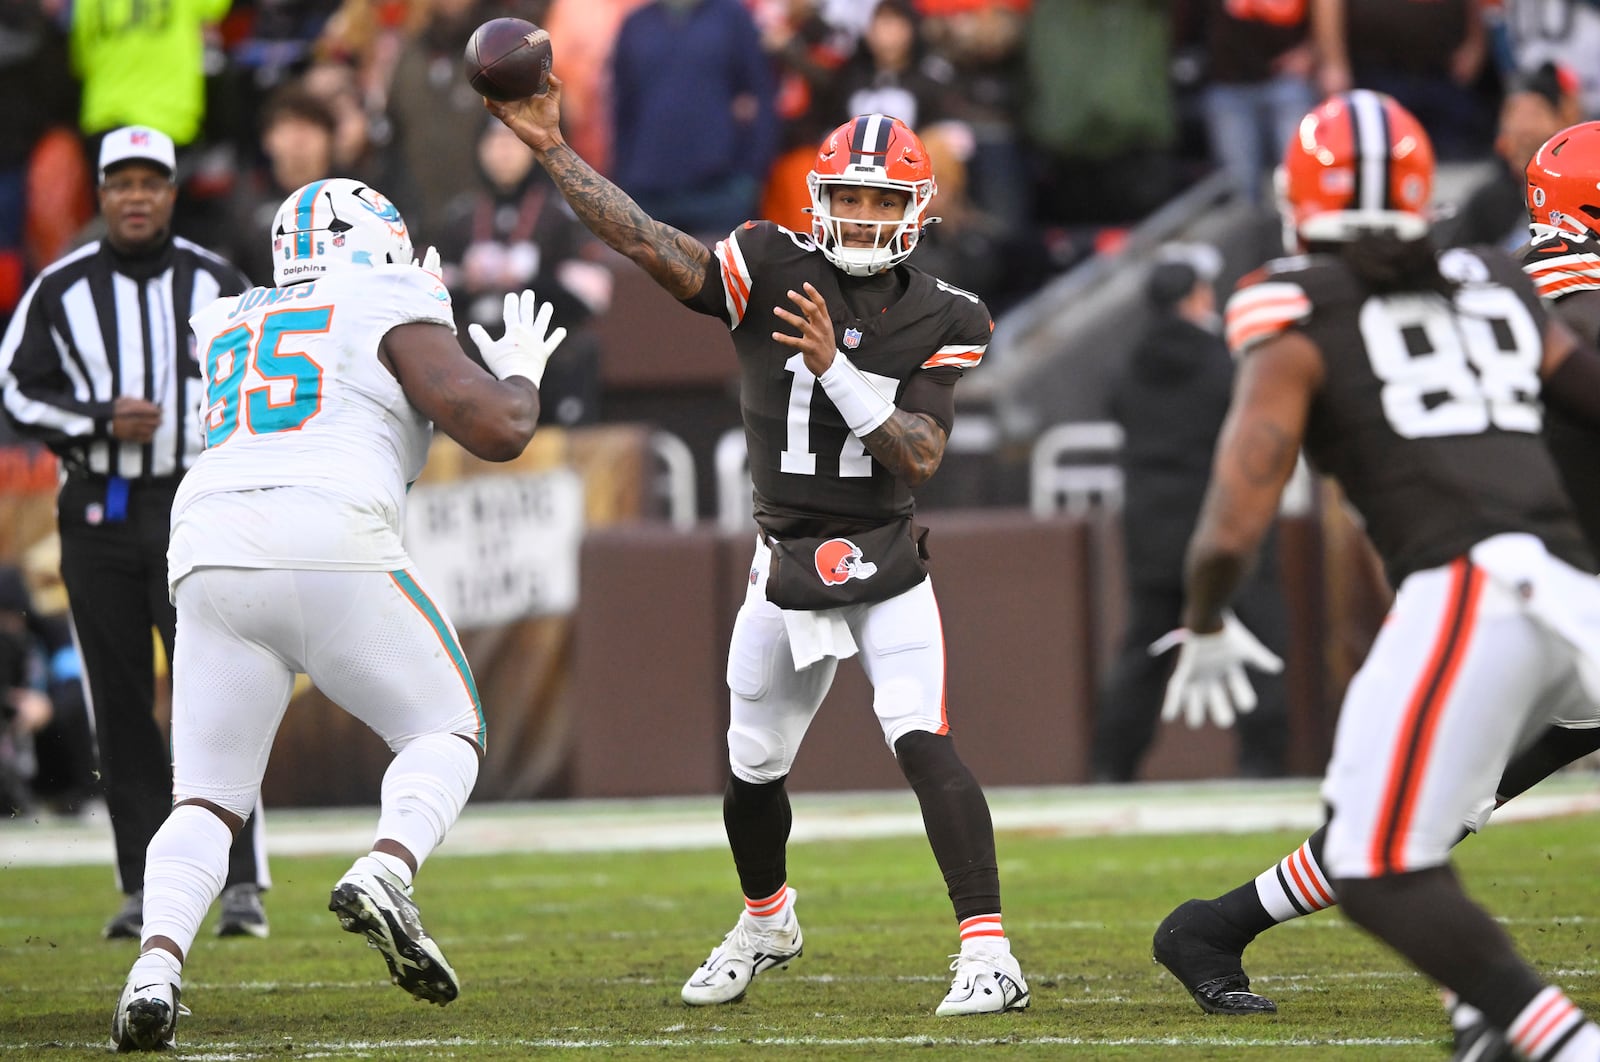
1428, 414
310, 440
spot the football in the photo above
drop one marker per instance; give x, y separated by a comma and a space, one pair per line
508, 59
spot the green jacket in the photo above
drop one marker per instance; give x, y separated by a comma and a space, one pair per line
140, 62
1098, 70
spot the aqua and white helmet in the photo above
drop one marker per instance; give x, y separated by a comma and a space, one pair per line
334, 224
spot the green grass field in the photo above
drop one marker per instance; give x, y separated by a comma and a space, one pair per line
582, 955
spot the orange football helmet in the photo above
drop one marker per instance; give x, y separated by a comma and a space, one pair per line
1564, 181
1358, 162
876, 151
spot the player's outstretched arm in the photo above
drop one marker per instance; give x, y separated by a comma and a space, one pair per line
1256, 454
493, 419
676, 260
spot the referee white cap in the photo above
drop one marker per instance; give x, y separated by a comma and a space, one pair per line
137, 142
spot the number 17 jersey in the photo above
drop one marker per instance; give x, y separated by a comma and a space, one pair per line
310, 440
1428, 414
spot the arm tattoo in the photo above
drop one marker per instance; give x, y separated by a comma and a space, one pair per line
910, 445
675, 260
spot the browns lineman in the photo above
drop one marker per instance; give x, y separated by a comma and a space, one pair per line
1414, 378
849, 359
1202, 941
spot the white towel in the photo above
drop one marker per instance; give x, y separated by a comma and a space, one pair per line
815, 635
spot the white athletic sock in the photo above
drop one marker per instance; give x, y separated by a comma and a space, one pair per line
384, 863
983, 932
185, 866
424, 790
1552, 1029
156, 966
770, 912
1295, 886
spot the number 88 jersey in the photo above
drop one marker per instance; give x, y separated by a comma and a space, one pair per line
1428, 414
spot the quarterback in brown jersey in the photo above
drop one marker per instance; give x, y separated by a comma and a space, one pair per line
848, 362
1202, 941
1414, 378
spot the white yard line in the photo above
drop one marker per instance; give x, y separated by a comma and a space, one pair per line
696, 822
217, 1052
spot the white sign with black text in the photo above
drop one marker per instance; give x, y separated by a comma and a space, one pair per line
498, 548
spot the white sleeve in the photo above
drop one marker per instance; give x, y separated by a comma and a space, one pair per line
403, 294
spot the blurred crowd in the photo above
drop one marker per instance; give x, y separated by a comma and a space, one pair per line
1055, 123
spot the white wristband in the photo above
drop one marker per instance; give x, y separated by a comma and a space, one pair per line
861, 404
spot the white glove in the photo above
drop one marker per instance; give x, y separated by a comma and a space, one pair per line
525, 347
1210, 676
430, 262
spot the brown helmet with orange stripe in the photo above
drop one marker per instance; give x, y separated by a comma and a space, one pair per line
1358, 163
1564, 181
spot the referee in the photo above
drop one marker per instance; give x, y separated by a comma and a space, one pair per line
98, 363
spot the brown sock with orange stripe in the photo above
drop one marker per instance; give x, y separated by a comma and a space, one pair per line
757, 818
1426, 917
956, 816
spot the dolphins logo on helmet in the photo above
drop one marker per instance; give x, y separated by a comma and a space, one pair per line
839, 560
335, 224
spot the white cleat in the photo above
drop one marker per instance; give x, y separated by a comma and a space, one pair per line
746, 951
378, 906
988, 981
146, 1018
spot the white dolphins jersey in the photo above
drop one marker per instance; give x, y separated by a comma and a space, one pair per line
310, 441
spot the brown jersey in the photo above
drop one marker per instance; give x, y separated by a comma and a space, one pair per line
910, 333
1428, 414
1561, 265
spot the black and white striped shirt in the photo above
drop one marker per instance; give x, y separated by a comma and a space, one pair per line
97, 325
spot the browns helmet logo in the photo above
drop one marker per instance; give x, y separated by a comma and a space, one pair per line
839, 560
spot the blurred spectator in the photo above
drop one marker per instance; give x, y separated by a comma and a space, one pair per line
584, 33
436, 114
1100, 109
1427, 54
356, 151
1538, 105
695, 127
807, 52
975, 49
142, 64
1565, 32
1171, 403
1258, 85
885, 74
297, 138
516, 231
967, 247
24, 706
65, 778
33, 67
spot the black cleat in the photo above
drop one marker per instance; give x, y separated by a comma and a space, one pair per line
242, 913
1482, 1042
127, 923
1202, 949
